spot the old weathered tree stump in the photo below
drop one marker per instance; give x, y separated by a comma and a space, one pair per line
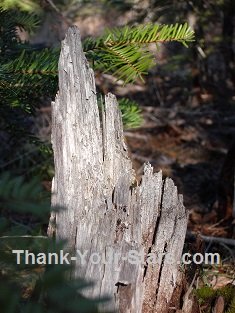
106, 211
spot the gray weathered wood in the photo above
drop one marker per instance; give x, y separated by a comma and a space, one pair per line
105, 208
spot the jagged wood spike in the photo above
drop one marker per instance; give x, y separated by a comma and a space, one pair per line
104, 208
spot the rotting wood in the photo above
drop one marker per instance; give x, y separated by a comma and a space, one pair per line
105, 210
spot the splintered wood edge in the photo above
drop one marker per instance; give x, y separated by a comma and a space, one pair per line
160, 208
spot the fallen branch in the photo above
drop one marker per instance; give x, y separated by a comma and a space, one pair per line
220, 240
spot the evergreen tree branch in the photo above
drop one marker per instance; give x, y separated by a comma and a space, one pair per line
124, 51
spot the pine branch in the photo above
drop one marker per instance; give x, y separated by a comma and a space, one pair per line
36, 70
145, 34
124, 51
127, 62
131, 113
44, 62
9, 19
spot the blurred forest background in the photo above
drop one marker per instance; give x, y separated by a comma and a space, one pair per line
181, 118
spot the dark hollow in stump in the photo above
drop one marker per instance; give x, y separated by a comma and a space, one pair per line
107, 212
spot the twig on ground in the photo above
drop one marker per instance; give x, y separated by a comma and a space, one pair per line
220, 240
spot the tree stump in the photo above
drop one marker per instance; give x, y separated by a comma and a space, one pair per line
106, 212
